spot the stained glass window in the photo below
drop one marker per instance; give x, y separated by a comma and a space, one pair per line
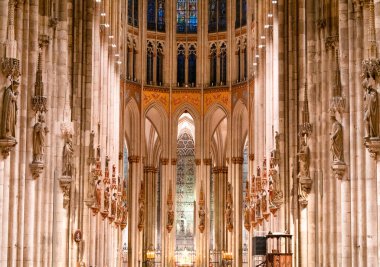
160, 59
187, 19
192, 65
151, 15
149, 64
133, 13
241, 13
156, 15
136, 13
181, 65
223, 64
237, 22
213, 65
161, 15
244, 12
212, 16
222, 16
216, 16
185, 196
130, 12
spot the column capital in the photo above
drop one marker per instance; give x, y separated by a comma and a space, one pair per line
237, 160
174, 161
207, 161
164, 161
133, 159
198, 162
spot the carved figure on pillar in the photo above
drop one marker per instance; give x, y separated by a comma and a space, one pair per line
91, 152
169, 225
39, 132
304, 180
201, 212
98, 192
141, 214
229, 219
9, 112
336, 141
371, 107
68, 153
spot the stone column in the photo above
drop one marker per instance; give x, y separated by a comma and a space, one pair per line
237, 184
207, 237
133, 208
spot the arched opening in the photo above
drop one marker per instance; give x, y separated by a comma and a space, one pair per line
185, 189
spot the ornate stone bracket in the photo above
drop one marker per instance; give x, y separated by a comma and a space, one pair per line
305, 185
6, 146
65, 184
339, 169
11, 68
36, 168
373, 146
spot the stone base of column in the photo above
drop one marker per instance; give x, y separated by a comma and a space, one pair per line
6, 146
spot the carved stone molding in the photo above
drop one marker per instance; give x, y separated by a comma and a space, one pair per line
304, 185
164, 161
207, 161
133, 159
6, 146
198, 162
174, 161
237, 160
36, 168
373, 146
339, 169
65, 184
338, 104
11, 68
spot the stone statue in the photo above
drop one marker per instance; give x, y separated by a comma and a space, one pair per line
107, 198
113, 204
304, 159
141, 216
170, 223
229, 219
202, 218
91, 154
68, 153
98, 192
9, 112
371, 108
39, 132
336, 141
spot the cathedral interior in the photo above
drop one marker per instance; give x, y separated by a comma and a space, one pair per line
200, 133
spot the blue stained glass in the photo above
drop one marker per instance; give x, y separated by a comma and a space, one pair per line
152, 15
223, 64
222, 16
187, 16
192, 69
161, 16
244, 13
149, 66
181, 66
